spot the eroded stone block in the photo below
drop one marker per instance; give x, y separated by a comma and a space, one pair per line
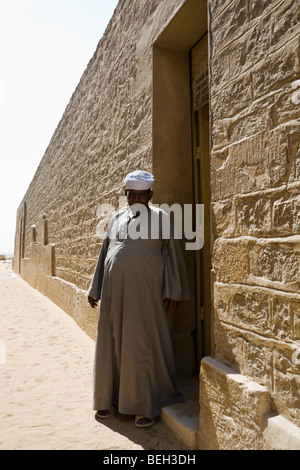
220, 426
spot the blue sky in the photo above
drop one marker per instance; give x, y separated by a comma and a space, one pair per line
45, 46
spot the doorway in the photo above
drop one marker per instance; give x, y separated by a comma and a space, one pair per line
181, 164
201, 184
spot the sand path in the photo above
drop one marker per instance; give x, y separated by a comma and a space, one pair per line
46, 365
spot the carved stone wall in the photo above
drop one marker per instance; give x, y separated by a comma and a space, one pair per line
249, 388
255, 162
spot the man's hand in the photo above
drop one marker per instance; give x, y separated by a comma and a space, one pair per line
173, 304
93, 302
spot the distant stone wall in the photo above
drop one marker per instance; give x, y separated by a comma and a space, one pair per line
105, 132
255, 183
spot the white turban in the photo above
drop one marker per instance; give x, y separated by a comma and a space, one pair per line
139, 180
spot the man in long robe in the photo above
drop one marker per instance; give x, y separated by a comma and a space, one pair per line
140, 279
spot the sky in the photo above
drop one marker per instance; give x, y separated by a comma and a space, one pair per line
45, 46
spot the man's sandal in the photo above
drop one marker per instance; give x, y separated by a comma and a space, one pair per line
143, 422
103, 414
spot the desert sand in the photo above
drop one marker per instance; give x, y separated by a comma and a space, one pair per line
46, 363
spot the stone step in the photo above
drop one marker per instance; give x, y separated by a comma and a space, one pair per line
183, 418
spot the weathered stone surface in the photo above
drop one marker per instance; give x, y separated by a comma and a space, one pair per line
231, 260
255, 192
277, 69
268, 213
108, 128
267, 262
257, 332
278, 262
281, 434
253, 215
260, 162
232, 408
261, 36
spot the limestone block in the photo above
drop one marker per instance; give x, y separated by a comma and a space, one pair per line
284, 315
229, 344
294, 150
295, 308
245, 306
269, 355
220, 134
232, 408
264, 31
220, 71
223, 218
287, 381
267, 262
285, 106
245, 352
256, 331
287, 13
258, 354
72, 301
277, 69
263, 213
281, 434
253, 215
250, 121
261, 310
256, 163
268, 32
276, 262
235, 96
216, 7
231, 259
235, 16
286, 215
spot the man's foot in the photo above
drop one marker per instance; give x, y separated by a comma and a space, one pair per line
102, 414
143, 422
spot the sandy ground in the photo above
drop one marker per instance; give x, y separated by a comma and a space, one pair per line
46, 364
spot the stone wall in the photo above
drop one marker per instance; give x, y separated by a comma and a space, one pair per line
249, 389
105, 132
255, 183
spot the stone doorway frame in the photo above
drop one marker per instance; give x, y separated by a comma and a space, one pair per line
172, 145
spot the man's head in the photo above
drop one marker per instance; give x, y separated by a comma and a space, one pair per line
135, 196
138, 187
